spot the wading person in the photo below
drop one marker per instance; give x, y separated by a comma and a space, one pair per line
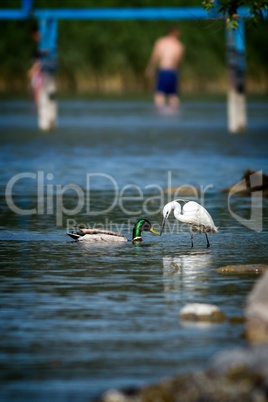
167, 56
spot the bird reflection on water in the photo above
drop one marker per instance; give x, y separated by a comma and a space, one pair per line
186, 269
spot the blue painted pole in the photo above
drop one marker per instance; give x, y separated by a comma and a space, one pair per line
48, 44
27, 6
236, 63
47, 105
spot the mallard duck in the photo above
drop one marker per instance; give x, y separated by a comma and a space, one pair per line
97, 235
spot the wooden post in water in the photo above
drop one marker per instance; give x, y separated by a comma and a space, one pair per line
236, 103
46, 103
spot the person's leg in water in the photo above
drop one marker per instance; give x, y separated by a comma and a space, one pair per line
173, 96
159, 99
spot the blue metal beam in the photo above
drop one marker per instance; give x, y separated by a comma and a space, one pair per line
14, 14
165, 13
143, 13
9, 14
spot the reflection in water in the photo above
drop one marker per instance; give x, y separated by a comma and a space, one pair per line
191, 262
186, 269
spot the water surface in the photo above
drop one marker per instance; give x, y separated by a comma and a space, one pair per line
77, 319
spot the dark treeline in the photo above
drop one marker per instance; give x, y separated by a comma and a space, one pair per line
111, 56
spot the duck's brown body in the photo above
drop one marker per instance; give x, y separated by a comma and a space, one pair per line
95, 235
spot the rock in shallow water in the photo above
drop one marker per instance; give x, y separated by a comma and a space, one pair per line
251, 183
182, 191
239, 375
202, 312
243, 269
257, 311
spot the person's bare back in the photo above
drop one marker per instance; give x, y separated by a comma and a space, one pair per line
169, 52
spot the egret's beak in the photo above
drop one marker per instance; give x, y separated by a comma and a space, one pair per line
154, 231
163, 223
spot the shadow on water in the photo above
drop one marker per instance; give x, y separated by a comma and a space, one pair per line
78, 318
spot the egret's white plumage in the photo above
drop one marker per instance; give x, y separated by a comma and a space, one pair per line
192, 214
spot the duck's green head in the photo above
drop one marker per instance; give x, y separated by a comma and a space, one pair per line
143, 225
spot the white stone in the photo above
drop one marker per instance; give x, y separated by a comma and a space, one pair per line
199, 309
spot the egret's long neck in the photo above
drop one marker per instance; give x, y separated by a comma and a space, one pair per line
177, 209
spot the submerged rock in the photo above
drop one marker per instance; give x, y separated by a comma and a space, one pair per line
182, 191
202, 312
239, 375
243, 269
251, 182
257, 311
241, 362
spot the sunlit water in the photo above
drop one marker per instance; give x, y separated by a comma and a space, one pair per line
77, 319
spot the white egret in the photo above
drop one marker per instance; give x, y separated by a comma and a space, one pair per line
192, 214
97, 235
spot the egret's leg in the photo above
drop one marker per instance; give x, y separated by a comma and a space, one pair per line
192, 237
208, 244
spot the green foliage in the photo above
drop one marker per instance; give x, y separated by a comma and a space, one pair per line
15, 57
229, 9
256, 40
97, 50
124, 47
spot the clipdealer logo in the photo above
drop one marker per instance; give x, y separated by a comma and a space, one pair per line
254, 187
52, 199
